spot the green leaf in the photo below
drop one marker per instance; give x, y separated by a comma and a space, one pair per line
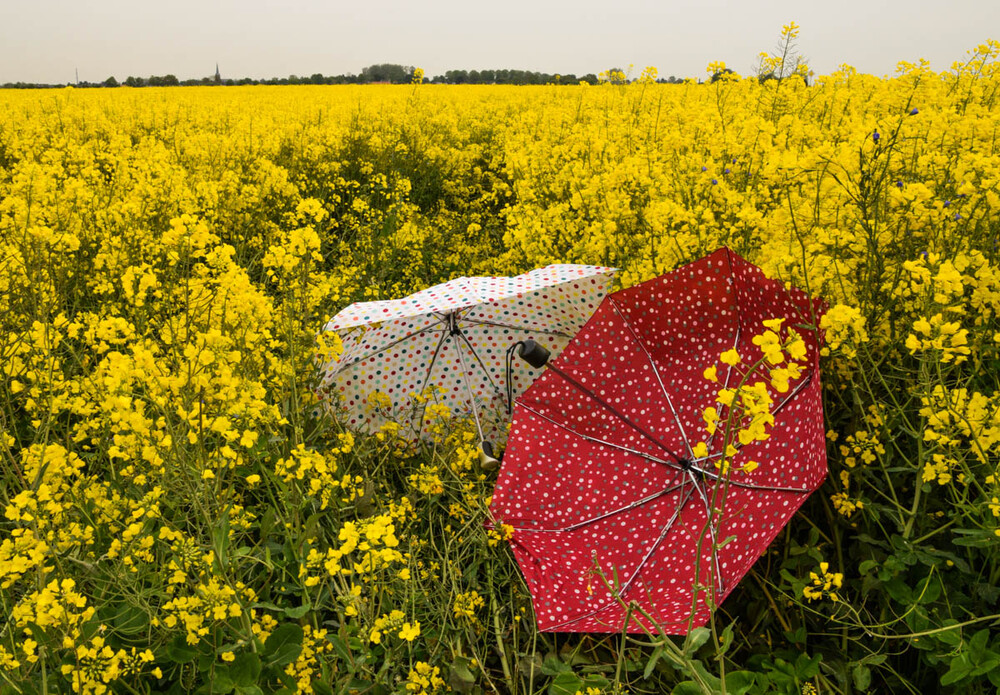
268, 606
296, 613
986, 592
651, 664
596, 681
686, 688
986, 665
867, 565
806, 667
952, 637
862, 676
531, 666
221, 682
726, 639
928, 589
959, 669
566, 684
131, 619
978, 642
179, 651
220, 538
553, 667
245, 670
899, 591
284, 644
460, 677
340, 647
974, 538
739, 682
797, 636
695, 639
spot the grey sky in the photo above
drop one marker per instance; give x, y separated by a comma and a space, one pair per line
46, 40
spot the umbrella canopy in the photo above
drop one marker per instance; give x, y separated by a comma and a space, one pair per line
612, 463
449, 345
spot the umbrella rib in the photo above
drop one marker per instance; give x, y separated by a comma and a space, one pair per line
573, 382
750, 486
391, 345
771, 488
798, 387
427, 376
649, 553
523, 329
648, 457
606, 515
714, 476
775, 488
472, 396
480, 362
656, 371
635, 573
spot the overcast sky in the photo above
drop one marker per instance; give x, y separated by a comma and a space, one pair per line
47, 40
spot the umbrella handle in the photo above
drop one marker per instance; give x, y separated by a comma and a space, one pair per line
531, 352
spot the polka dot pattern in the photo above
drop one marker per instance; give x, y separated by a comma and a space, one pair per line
394, 349
594, 473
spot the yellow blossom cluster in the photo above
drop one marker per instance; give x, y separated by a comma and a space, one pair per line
427, 480
746, 407
844, 329
210, 602
57, 606
393, 622
466, 604
824, 584
366, 547
314, 473
98, 665
168, 257
425, 679
863, 446
307, 667
842, 501
944, 337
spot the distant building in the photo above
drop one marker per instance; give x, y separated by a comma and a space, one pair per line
218, 77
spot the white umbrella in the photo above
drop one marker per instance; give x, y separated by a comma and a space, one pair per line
451, 345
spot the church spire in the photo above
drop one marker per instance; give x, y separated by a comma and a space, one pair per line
218, 77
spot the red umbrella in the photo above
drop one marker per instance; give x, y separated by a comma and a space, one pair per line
612, 465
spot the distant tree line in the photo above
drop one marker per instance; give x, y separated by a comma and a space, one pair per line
509, 77
383, 73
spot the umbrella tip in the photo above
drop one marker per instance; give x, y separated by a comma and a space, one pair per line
533, 353
487, 460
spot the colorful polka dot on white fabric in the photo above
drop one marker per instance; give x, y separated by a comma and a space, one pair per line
395, 349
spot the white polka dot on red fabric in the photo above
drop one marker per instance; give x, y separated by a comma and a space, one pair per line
591, 473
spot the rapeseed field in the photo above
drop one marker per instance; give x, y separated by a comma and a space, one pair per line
180, 515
